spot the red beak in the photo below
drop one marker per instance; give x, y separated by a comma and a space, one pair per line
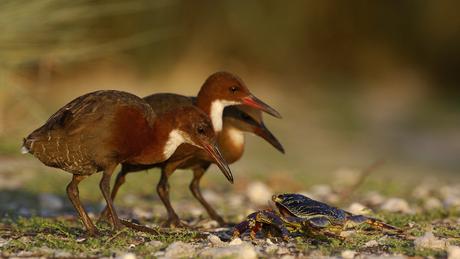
214, 152
255, 102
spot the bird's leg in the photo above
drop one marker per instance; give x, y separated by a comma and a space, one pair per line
119, 181
194, 186
73, 194
104, 185
163, 192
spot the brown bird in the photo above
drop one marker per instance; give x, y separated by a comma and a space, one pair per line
97, 131
220, 90
231, 140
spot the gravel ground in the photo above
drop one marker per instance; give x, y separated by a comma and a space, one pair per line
44, 225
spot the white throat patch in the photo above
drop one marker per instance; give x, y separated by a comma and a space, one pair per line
175, 138
217, 109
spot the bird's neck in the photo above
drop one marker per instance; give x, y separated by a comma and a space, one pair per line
163, 142
214, 108
231, 143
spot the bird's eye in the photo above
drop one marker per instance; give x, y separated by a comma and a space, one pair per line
233, 89
200, 130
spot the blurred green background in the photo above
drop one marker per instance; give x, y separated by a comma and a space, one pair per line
355, 81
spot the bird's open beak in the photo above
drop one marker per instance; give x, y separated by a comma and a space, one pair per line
264, 133
255, 102
214, 152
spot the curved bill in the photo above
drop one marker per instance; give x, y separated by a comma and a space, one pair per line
214, 152
255, 102
264, 133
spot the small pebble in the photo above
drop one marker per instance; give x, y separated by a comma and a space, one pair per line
62, 254
271, 249
236, 241
141, 213
348, 254
259, 193
422, 191
283, 250
126, 256
209, 224
432, 203
396, 205
155, 244
358, 208
3, 242
428, 240
371, 243
374, 199
453, 252
452, 201
50, 202
215, 240
243, 251
180, 249
449, 191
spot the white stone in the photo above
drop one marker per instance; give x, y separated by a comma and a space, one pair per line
452, 201
449, 191
259, 193
126, 256
141, 213
3, 242
236, 241
50, 202
348, 254
396, 205
215, 240
271, 249
432, 203
422, 192
243, 251
155, 244
428, 240
374, 199
180, 249
453, 252
358, 208
62, 254
371, 243
283, 250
